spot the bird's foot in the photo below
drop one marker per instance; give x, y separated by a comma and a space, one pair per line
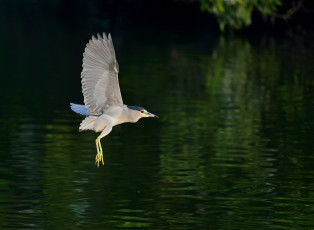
99, 157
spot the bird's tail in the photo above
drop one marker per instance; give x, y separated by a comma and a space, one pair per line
88, 123
80, 109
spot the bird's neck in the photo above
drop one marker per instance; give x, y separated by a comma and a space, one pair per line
131, 115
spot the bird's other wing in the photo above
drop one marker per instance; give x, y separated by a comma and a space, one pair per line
100, 81
80, 109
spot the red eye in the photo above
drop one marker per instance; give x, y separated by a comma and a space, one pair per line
142, 111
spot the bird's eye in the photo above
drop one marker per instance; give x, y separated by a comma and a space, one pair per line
142, 111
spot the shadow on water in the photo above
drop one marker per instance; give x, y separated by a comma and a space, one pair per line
232, 149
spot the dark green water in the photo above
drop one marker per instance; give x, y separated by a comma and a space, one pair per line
233, 148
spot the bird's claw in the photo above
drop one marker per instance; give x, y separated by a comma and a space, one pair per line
99, 156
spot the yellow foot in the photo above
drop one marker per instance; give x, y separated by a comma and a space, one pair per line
99, 156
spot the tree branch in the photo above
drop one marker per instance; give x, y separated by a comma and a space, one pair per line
290, 12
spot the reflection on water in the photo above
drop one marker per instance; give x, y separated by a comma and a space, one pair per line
239, 145
232, 149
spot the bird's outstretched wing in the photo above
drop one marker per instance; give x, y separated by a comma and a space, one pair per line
100, 81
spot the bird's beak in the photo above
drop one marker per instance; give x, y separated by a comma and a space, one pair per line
151, 115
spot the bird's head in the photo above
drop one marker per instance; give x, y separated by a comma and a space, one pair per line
141, 112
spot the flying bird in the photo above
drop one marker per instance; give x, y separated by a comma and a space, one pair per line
103, 105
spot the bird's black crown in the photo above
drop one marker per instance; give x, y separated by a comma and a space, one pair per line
135, 108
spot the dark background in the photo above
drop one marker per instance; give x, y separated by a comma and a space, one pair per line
233, 148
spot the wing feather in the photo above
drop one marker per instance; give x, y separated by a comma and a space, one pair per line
100, 81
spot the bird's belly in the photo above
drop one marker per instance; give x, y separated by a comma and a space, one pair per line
120, 120
117, 122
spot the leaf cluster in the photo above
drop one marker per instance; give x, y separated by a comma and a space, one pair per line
238, 13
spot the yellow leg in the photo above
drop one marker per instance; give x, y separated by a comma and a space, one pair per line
96, 141
105, 132
99, 156
102, 158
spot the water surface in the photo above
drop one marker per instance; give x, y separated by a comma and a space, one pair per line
233, 148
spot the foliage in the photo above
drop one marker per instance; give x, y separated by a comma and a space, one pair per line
238, 13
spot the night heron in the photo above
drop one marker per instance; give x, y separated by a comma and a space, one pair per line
103, 107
